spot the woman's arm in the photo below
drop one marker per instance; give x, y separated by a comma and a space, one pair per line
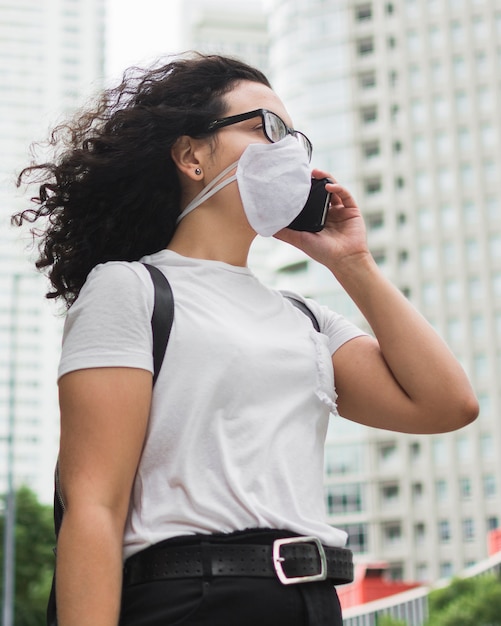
406, 379
104, 415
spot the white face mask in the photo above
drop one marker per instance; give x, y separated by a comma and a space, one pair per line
274, 181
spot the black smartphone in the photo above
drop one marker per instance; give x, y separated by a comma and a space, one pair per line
313, 214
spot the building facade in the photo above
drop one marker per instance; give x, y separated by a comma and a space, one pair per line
401, 100
51, 57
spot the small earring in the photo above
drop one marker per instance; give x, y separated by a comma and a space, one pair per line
198, 171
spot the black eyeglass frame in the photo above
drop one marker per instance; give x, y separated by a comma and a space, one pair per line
241, 117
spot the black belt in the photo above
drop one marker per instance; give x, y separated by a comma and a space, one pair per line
292, 560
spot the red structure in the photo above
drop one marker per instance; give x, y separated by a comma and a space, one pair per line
494, 541
371, 583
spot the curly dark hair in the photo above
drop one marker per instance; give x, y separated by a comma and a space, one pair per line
111, 191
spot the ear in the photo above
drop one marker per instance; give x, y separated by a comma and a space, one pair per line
186, 153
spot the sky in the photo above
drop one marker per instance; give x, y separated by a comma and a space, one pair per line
138, 32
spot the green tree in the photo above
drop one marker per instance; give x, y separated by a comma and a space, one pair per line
34, 558
387, 620
467, 602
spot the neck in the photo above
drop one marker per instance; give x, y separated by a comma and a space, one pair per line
201, 236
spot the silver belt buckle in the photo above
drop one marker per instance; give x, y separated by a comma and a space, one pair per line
278, 560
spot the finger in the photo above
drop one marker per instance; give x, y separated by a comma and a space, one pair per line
316, 173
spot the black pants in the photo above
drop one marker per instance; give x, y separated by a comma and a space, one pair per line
231, 601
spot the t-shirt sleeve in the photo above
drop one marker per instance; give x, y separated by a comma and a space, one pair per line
109, 324
336, 327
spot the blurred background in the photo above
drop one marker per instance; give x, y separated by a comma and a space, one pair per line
402, 102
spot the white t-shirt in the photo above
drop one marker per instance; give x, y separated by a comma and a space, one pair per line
240, 408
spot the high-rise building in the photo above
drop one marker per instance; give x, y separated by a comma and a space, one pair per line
234, 28
51, 57
401, 99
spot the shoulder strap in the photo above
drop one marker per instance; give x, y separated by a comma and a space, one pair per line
299, 304
162, 317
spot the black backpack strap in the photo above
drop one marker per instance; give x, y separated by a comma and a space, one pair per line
162, 317
299, 304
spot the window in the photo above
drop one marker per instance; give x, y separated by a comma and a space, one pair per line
487, 446
463, 447
495, 246
492, 204
344, 459
358, 537
464, 140
444, 531
462, 103
371, 149
468, 526
441, 490
446, 569
470, 212
422, 572
427, 256
396, 571
440, 452
480, 29
392, 534
478, 326
369, 115
387, 453
443, 142
417, 492
363, 12
465, 488
454, 330
496, 284
374, 221
430, 293
475, 289
373, 186
480, 366
365, 46
445, 179
457, 33
493, 522
435, 36
489, 481
419, 533
425, 219
422, 183
459, 67
472, 250
437, 72
379, 255
390, 493
420, 146
487, 135
448, 216
449, 253
346, 498
367, 80
418, 111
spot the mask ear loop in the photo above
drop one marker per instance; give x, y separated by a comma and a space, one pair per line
209, 190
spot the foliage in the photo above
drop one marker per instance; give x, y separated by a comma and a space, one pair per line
387, 620
34, 558
467, 602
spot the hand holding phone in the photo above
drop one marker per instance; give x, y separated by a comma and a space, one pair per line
314, 213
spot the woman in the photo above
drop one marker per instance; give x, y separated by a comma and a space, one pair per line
181, 167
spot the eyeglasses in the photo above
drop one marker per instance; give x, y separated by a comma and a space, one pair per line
274, 127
